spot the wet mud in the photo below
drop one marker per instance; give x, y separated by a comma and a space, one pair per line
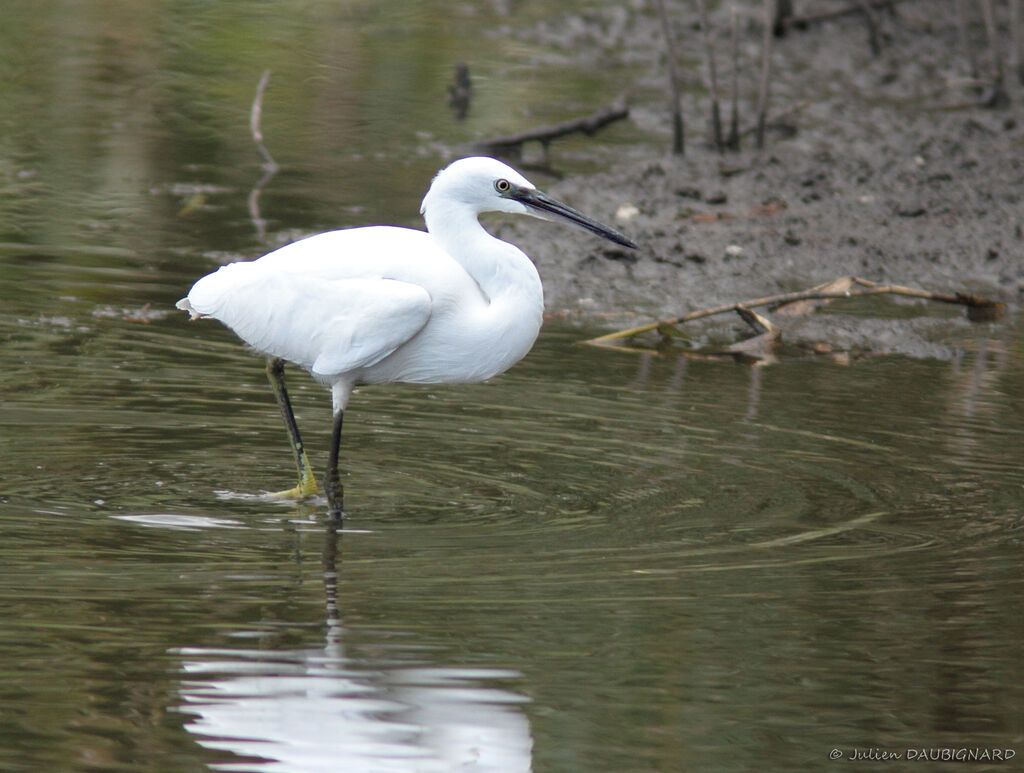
889, 169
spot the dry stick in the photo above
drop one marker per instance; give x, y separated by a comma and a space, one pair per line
815, 293
733, 143
270, 166
716, 114
544, 134
766, 55
678, 134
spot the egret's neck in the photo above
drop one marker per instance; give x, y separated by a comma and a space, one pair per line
502, 271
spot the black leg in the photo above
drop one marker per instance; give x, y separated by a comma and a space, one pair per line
307, 481
332, 481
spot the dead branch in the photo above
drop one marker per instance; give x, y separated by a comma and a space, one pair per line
767, 336
977, 308
512, 144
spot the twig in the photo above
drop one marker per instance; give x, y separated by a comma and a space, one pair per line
512, 143
821, 292
678, 132
766, 58
716, 114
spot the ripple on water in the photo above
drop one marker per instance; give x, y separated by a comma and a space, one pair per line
565, 449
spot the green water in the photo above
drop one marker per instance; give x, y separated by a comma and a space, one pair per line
597, 562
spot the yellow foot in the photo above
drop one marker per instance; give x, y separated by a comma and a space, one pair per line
304, 488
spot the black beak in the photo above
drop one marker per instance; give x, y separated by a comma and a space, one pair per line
546, 207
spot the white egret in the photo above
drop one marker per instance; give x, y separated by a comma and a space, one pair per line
381, 304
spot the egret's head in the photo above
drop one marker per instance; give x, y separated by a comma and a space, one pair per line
487, 185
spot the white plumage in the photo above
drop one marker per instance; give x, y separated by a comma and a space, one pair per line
383, 304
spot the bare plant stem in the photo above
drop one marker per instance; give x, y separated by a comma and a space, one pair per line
766, 58
678, 133
733, 142
998, 94
716, 113
1015, 40
872, 25
965, 38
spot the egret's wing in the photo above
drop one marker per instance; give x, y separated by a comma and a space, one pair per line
328, 326
379, 316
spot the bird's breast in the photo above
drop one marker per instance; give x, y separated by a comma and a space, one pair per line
466, 342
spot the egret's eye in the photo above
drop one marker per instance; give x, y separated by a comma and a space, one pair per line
502, 186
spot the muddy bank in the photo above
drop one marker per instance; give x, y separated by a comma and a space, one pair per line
877, 181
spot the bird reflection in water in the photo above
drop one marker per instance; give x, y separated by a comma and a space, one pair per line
316, 709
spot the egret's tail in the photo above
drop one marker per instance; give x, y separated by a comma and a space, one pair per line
184, 305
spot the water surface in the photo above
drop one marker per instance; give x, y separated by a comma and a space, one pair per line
599, 561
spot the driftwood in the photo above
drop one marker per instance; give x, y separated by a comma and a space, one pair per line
978, 309
511, 144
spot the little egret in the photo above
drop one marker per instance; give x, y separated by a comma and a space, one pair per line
382, 304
